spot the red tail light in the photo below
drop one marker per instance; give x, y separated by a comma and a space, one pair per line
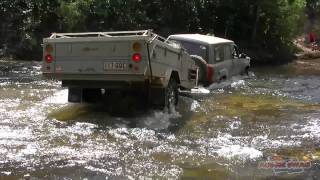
210, 73
136, 57
48, 58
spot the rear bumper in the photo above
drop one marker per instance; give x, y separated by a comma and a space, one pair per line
121, 85
123, 81
95, 77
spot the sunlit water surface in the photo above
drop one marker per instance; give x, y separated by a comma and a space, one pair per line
224, 134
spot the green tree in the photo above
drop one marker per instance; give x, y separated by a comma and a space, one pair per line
24, 23
264, 26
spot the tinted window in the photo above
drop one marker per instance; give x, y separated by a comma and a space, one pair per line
194, 48
219, 53
227, 52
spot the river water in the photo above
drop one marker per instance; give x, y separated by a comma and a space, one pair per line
272, 116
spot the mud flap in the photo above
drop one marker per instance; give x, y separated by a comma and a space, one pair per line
75, 95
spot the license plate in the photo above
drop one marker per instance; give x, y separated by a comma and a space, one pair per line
118, 66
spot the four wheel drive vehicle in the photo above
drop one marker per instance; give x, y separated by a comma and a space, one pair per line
112, 65
217, 58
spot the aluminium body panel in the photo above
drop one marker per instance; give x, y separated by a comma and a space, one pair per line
109, 58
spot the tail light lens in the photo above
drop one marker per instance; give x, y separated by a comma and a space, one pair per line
210, 73
48, 58
136, 57
49, 49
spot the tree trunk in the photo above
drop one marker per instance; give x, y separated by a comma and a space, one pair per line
256, 21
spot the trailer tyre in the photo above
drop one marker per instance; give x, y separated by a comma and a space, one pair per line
171, 94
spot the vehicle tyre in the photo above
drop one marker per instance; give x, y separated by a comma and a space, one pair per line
202, 65
171, 95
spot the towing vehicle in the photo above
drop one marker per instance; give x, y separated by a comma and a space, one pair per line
217, 58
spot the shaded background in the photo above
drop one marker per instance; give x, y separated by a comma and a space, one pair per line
264, 29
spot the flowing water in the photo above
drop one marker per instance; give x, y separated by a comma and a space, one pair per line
271, 116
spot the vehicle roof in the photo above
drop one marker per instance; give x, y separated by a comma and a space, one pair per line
202, 38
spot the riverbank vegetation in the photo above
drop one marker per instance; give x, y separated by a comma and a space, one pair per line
264, 28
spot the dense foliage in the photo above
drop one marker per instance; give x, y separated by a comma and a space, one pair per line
266, 26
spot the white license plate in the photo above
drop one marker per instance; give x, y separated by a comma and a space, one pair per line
118, 66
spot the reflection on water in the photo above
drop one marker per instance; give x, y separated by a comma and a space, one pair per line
223, 134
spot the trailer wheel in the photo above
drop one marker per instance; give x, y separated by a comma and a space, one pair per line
171, 94
164, 98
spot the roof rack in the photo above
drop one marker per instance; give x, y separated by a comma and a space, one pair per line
149, 33
103, 34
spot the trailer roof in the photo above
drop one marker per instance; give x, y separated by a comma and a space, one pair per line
201, 38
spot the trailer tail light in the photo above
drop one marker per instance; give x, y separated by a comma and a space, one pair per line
136, 57
48, 49
210, 73
48, 58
